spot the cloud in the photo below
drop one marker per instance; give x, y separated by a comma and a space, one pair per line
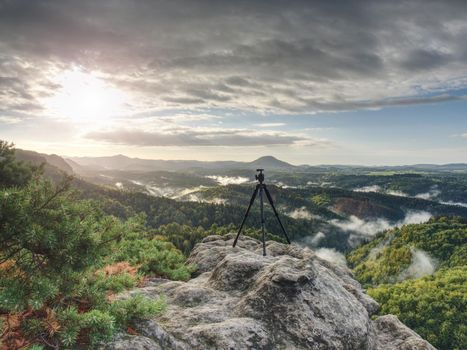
218, 201
300, 213
422, 59
332, 256
459, 204
368, 228
191, 195
397, 193
374, 252
430, 195
269, 125
312, 241
179, 117
317, 238
9, 120
266, 56
21, 86
372, 227
372, 188
228, 180
174, 192
179, 193
421, 265
283, 185
415, 217
183, 136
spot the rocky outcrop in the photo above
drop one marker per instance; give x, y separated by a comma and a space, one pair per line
392, 334
290, 299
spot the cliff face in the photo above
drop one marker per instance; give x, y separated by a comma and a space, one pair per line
290, 299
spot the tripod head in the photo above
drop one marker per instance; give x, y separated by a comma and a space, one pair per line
260, 176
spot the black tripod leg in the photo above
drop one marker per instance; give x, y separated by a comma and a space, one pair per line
262, 220
276, 214
253, 196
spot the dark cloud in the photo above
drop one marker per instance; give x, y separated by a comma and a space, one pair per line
391, 102
207, 94
184, 100
19, 88
193, 137
276, 56
238, 81
422, 59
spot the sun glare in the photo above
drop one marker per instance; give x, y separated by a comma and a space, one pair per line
84, 97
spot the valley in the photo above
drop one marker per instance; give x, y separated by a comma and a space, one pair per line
335, 207
398, 228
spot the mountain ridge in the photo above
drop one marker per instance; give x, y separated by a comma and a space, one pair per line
122, 162
54, 165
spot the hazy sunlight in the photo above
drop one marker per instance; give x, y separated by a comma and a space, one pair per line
84, 97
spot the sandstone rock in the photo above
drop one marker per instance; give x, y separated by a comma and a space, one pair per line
290, 299
392, 334
131, 342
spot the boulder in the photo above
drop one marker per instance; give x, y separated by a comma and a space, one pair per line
392, 334
289, 299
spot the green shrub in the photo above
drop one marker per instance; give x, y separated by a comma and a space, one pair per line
99, 325
155, 257
321, 200
135, 308
115, 283
53, 252
48, 240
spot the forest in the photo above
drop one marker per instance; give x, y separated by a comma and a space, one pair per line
69, 246
433, 305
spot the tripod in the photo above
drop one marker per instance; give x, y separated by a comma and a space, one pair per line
261, 187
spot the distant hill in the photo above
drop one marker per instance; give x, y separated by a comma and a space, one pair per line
270, 162
432, 167
121, 162
54, 164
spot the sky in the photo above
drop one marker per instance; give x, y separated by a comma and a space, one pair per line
310, 82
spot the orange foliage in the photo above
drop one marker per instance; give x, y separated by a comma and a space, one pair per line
120, 267
12, 337
132, 331
110, 296
9, 269
50, 322
7, 265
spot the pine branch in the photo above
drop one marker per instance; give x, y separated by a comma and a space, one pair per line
65, 185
